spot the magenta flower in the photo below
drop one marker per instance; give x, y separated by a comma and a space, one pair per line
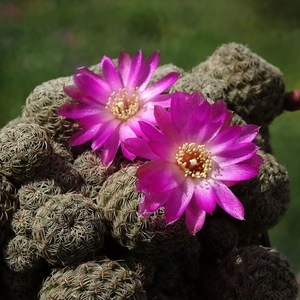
109, 108
195, 156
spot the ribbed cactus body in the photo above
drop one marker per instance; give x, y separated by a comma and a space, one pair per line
252, 272
41, 108
101, 279
253, 87
25, 152
68, 229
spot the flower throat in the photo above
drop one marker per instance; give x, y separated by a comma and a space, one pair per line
123, 104
194, 160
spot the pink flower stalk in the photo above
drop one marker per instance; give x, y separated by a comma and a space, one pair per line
195, 156
110, 108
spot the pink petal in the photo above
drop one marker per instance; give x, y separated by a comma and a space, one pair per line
194, 217
236, 153
160, 86
145, 114
228, 201
176, 206
126, 133
256, 160
77, 110
152, 202
147, 167
135, 70
104, 133
149, 68
164, 151
89, 86
205, 196
95, 77
162, 179
224, 139
75, 93
140, 147
110, 74
100, 117
199, 123
163, 100
124, 63
164, 121
110, 148
83, 135
248, 134
151, 132
235, 172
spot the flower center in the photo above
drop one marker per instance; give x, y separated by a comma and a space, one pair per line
124, 103
194, 160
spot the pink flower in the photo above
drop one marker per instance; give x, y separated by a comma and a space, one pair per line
195, 156
109, 108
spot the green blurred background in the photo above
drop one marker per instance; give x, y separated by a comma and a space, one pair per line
46, 39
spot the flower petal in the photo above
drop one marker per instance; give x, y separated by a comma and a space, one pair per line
110, 73
105, 131
164, 178
110, 148
176, 206
135, 70
89, 86
126, 133
228, 201
164, 151
149, 68
140, 147
151, 132
152, 202
164, 121
147, 167
205, 196
235, 172
160, 86
124, 63
194, 217
84, 135
248, 133
236, 153
224, 139
77, 110
75, 93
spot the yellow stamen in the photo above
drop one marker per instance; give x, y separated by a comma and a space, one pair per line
194, 160
124, 104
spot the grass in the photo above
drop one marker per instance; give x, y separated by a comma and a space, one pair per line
45, 39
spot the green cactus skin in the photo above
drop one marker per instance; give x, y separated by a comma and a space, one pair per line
68, 229
253, 88
103, 279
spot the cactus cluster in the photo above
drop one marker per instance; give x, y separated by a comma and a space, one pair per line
70, 227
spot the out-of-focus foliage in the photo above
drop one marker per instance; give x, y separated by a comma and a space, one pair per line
46, 39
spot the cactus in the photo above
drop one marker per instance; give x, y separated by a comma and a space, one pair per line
67, 229
100, 279
70, 227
